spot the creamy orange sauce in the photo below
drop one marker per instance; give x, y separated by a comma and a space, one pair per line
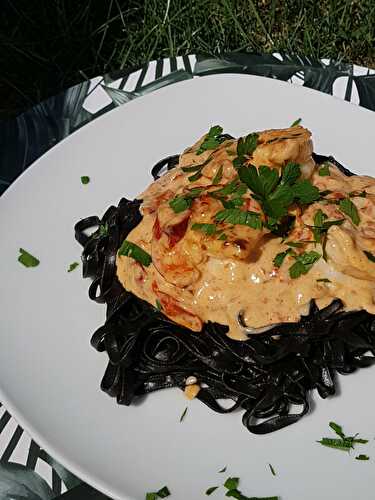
198, 278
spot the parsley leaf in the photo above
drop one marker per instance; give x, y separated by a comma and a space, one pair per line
277, 203
103, 229
338, 429
137, 253
291, 173
180, 203
303, 264
183, 202
324, 280
324, 170
362, 457
195, 177
245, 148
183, 414
85, 179
223, 237
306, 192
280, 257
209, 229
212, 139
231, 483
162, 493
211, 490
237, 216
296, 122
72, 266
261, 182
218, 176
158, 305
27, 259
345, 443
369, 255
349, 209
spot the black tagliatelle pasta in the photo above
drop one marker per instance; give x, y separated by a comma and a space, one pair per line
265, 375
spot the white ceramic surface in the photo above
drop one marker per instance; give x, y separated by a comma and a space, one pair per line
49, 374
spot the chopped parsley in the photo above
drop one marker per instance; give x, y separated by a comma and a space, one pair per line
344, 443
85, 179
324, 170
323, 280
183, 202
195, 176
183, 414
303, 263
73, 266
27, 259
209, 229
280, 257
218, 176
277, 193
212, 139
245, 148
209, 491
296, 122
222, 237
231, 484
295, 244
273, 472
369, 255
237, 216
349, 209
321, 225
362, 457
158, 305
137, 253
162, 493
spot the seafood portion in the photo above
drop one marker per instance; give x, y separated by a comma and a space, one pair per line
255, 226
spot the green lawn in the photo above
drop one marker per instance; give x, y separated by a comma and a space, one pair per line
48, 45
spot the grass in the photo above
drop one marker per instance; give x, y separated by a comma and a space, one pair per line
48, 45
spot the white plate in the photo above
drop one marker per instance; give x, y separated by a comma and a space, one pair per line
49, 374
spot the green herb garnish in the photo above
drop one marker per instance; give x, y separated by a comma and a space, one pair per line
183, 202
209, 229
212, 139
72, 266
280, 257
231, 483
294, 244
237, 216
27, 259
303, 264
276, 193
324, 280
158, 305
183, 414
211, 490
85, 179
222, 470
137, 253
195, 177
218, 176
345, 443
362, 457
324, 170
162, 493
369, 255
296, 122
272, 470
349, 209
245, 148
321, 225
